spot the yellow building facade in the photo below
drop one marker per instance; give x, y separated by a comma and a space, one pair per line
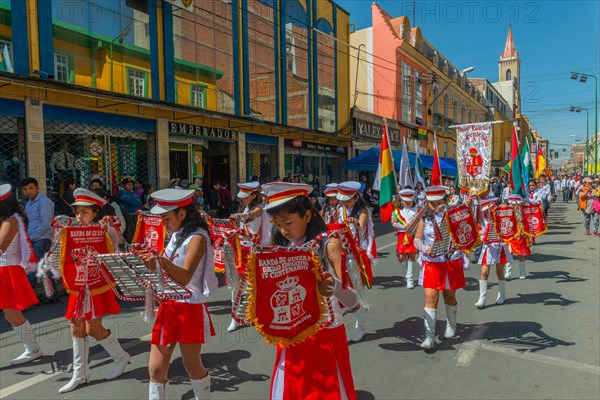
150, 91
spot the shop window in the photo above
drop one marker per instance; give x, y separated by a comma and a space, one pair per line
63, 68
12, 152
85, 152
137, 82
7, 56
198, 96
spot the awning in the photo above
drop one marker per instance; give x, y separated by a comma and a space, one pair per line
368, 161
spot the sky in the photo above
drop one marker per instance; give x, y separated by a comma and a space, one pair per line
552, 38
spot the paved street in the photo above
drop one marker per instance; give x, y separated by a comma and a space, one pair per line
542, 344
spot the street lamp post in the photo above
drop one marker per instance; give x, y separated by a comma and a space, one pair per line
583, 78
587, 136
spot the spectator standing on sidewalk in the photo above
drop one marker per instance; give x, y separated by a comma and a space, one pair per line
225, 198
586, 196
40, 212
128, 198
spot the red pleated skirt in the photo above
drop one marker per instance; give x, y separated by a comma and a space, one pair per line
316, 369
184, 323
405, 244
15, 289
447, 275
102, 304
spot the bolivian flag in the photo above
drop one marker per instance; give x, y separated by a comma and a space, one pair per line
385, 180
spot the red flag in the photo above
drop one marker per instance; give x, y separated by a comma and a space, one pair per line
436, 174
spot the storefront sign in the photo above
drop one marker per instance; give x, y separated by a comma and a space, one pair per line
176, 128
372, 132
314, 146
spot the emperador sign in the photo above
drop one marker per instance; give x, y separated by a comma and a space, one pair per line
176, 128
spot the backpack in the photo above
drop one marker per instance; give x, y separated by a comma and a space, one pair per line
597, 205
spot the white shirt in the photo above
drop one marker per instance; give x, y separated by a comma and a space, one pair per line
204, 281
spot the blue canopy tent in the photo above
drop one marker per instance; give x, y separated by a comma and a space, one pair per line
368, 161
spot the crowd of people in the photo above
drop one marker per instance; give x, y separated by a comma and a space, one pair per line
276, 213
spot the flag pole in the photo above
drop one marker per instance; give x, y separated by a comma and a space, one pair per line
409, 174
387, 135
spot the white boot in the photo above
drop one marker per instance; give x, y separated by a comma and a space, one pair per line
233, 325
429, 321
501, 292
32, 348
508, 271
201, 388
115, 351
482, 294
451, 312
157, 391
410, 268
81, 349
522, 272
359, 329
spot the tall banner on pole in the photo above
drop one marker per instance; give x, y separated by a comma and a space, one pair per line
474, 156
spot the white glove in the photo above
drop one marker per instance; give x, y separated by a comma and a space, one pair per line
398, 226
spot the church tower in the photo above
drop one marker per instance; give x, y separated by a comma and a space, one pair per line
509, 69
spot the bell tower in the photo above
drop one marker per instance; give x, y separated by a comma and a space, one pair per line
509, 68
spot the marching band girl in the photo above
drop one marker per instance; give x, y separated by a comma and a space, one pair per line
405, 249
493, 252
420, 193
252, 218
521, 245
188, 259
331, 208
319, 367
357, 214
103, 302
16, 255
440, 272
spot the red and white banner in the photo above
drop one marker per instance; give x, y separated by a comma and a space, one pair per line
474, 156
79, 264
150, 232
505, 222
285, 304
534, 223
462, 228
218, 230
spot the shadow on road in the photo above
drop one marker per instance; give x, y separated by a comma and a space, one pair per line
528, 335
539, 257
562, 276
226, 376
544, 298
389, 282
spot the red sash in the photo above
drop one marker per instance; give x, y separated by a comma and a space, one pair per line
462, 228
150, 232
534, 223
505, 222
285, 304
79, 246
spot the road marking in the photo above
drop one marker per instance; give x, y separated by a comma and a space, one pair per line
467, 352
45, 375
386, 246
555, 361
